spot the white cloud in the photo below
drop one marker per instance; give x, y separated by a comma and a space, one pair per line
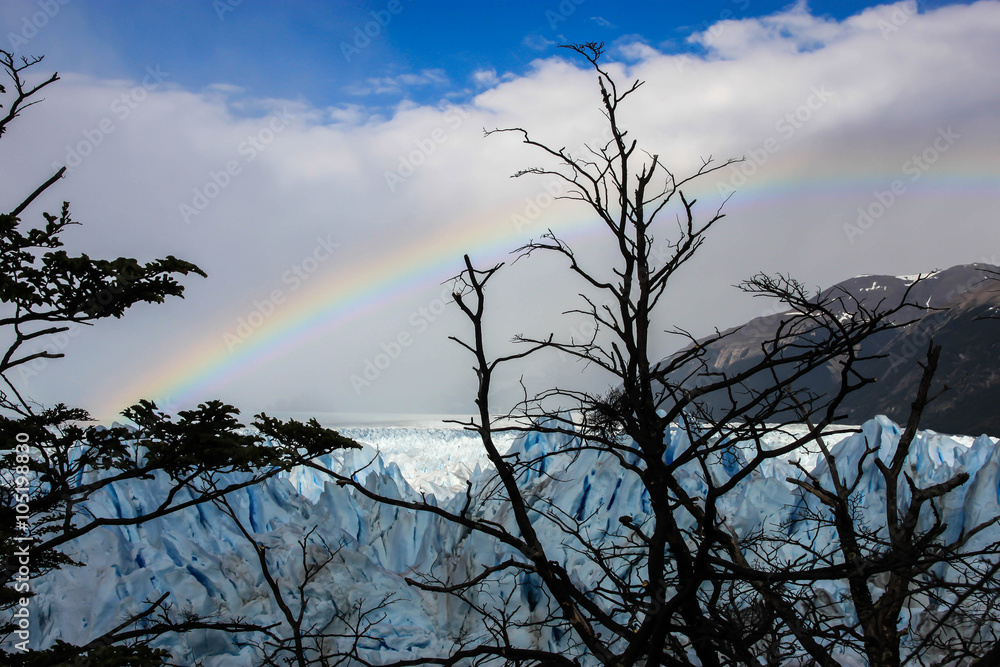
485, 78
537, 42
394, 85
839, 110
635, 50
350, 115
224, 89
791, 30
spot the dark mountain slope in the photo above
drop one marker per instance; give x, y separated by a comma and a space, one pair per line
962, 315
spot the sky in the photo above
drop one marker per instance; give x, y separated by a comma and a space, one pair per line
325, 163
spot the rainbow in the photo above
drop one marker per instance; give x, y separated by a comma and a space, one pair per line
349, 294
360, 290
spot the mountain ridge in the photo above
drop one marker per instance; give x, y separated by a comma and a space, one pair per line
959, 308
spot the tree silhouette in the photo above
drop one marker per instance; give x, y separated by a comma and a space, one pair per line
54, 463
681, 582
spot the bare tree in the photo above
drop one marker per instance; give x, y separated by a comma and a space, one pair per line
920, 593
326, 642
679, 583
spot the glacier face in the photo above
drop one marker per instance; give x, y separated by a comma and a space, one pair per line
207, 566
433, 459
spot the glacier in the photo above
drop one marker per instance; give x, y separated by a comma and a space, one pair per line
207, 566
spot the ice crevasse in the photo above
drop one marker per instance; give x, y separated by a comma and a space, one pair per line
207, 566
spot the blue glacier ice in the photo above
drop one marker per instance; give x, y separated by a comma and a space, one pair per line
207, 566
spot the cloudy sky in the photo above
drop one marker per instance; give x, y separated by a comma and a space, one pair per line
325, 164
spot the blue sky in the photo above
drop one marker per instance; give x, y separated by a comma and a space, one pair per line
309, 50
328, 196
